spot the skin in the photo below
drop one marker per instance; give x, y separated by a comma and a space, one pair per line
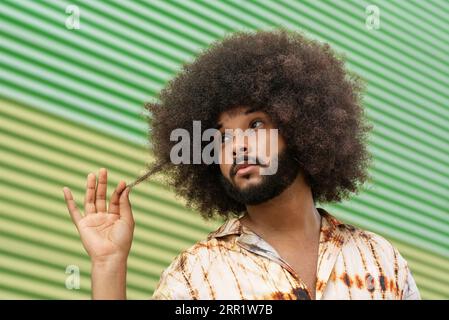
288, 222
106, 234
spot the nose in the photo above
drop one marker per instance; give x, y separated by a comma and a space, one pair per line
240, 147
239, 151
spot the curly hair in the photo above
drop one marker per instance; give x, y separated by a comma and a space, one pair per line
300, 83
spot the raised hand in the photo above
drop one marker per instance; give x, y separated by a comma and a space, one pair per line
106, 232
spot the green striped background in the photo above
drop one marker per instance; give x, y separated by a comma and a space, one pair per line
71, 101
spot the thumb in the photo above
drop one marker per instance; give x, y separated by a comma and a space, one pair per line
125, 206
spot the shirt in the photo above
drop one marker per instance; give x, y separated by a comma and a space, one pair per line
234, 263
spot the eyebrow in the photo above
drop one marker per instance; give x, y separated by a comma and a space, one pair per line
250, 110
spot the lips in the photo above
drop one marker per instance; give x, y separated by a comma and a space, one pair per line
243, 168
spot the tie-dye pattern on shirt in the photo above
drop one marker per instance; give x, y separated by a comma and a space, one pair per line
235, 263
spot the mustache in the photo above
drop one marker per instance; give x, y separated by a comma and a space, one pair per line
244, 159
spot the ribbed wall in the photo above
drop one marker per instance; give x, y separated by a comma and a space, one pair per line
71, 101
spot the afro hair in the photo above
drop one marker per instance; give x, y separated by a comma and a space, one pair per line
300, 83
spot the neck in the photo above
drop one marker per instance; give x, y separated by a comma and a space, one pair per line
291, 214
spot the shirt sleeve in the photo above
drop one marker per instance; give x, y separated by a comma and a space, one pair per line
174, 281
411, 291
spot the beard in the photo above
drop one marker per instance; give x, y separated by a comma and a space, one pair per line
269, 186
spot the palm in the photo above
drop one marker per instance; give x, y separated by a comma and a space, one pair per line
104, 233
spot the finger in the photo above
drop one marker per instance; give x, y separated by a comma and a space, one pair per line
114, 203
89, 204
100, 194
125, 206
71, 205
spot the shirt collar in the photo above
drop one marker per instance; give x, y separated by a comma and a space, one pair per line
332, 238
234, 226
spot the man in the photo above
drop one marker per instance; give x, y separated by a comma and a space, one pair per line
275, 243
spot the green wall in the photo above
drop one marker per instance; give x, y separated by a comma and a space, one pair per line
71, 101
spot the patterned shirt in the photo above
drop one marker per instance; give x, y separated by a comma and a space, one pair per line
235, 263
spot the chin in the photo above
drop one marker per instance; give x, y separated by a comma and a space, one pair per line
247, 181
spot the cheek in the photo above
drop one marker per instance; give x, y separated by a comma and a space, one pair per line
280, 144
268, 145
226, 156
274, 144
224, 169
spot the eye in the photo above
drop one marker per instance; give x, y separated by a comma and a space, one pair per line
256, 124
225, 137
